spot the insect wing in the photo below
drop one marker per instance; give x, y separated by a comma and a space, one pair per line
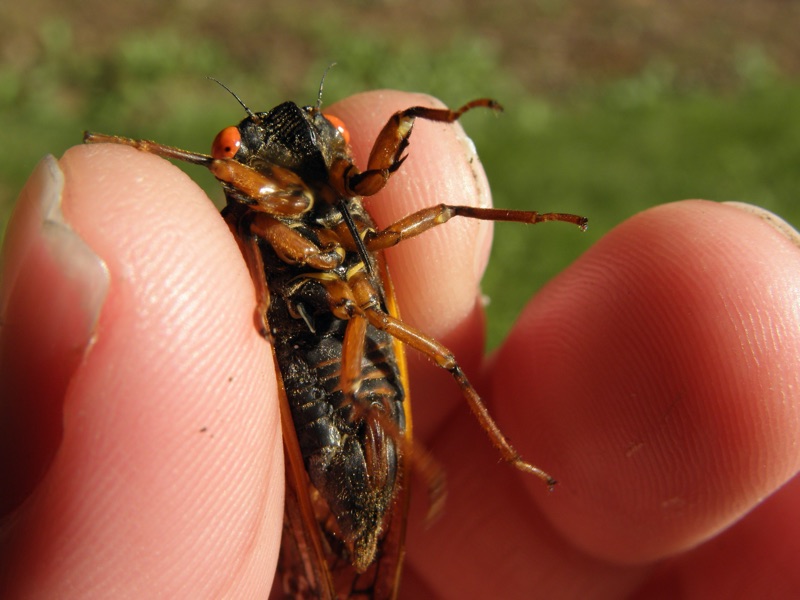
303, 568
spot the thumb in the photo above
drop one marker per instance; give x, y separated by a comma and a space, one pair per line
145, 456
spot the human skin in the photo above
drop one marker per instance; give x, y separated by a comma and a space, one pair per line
657, 378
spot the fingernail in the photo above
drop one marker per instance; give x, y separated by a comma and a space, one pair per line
53, 289
771, 219
482, 189
38, 218
483, 198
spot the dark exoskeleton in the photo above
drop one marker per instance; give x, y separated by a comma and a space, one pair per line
326, 304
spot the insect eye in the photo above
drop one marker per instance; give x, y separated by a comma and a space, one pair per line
339, 126
227, 143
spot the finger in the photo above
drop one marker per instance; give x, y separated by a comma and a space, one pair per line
755, 558
628, 381
657, 379
167, 473
436, 274
491, 540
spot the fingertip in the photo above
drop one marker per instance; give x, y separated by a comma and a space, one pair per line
755, 557
658, 377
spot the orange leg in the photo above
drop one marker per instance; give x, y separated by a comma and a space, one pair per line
294, 248
427, 218
364, 294
445, 359
248, 244
276, 190
387, 151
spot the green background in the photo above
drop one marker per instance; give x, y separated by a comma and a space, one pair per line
611, 107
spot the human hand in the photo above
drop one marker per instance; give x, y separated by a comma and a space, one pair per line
654, 378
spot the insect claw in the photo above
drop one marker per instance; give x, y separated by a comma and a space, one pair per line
495, 106
397, 163
532, 470
262, 326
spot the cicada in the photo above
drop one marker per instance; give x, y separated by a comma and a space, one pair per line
325, 303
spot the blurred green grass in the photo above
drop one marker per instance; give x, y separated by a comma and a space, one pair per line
602, 149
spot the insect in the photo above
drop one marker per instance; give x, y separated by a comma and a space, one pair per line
325, 302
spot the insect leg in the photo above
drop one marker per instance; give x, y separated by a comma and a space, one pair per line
273, 190
150, 147
289, 245
387, 151
445, 359
427, 218
352, 354
294, 248
239, 225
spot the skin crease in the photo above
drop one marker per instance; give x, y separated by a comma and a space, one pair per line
656, 378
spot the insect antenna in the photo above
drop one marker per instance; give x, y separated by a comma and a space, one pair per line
322, 83
249, 112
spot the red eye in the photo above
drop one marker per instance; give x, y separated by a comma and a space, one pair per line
227, 143
340, 127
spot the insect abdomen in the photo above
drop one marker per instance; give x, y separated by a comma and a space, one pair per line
343, 441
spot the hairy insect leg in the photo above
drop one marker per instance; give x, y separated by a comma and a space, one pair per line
387, 151
446, 360
427, 218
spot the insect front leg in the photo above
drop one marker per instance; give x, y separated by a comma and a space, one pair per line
387, 151
294, 248
249, 226
271, 189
